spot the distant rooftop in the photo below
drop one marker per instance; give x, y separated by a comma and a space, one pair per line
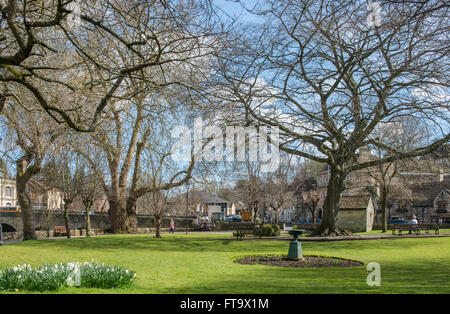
201, 197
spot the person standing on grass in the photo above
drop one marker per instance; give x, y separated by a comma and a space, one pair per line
172, 225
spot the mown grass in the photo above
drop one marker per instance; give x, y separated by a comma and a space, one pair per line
204, 264
374, 232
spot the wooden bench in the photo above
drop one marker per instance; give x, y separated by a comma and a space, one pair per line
59, 231
242, 231
416, 228
427, 228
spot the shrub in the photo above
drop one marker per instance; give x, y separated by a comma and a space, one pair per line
94, 275
276, 230
54, 276
267, 230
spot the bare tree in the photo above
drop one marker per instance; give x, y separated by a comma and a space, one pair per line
250, 186
326, 78
90, 191
30, 135
403, 135
278, 186
90, 49
65, 171
155, 203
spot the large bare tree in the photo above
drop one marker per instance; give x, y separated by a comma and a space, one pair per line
91, 48
30, 135
327, 75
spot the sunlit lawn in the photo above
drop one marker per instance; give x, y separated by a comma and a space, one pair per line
204, 264
422, 232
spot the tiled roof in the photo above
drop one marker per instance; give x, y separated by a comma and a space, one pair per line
200, 197
424, 194
354, 202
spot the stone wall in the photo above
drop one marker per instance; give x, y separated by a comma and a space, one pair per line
352, 220
309, 227
231, 226
100, 221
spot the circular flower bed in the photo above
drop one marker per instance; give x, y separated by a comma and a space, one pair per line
54, 276
307, 261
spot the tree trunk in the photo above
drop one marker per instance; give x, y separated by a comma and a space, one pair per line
49, 222
383, 208
131, 222
117, 216
158, 225
29, 232
255, 209
66, 218
313, 216
88, 220
122, 212
331, 206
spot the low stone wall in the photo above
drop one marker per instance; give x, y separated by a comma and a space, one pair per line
353, 220
145, 221
231, 226
77, 220
309, 227
12, 236
102, 221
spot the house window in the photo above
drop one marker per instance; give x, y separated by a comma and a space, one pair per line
442, 206
402, 207
8, 191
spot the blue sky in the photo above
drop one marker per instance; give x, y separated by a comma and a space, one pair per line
236, 8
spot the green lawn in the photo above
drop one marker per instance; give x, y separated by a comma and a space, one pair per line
373, 232
204, 264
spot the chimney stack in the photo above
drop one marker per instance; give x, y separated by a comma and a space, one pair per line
441, 175
364, 153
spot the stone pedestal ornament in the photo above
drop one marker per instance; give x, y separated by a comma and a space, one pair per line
295, 247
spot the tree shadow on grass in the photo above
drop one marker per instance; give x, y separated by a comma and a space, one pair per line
189, 244
145, 243
431, 277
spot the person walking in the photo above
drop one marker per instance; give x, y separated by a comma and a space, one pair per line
172, 226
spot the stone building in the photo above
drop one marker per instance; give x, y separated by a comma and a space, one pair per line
201, 203
42, 197
419, 188
356, 213
8, 195
429, 202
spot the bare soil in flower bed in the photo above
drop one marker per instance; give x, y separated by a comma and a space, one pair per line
307, 261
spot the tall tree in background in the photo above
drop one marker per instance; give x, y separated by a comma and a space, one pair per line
65, 171
277, 186
326, 77
90, 192
403, 135
251, 186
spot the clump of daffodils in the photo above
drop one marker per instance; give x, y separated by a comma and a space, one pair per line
54, 276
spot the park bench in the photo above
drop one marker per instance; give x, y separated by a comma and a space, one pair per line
427, 228
243, 230
416, 228
59, 231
